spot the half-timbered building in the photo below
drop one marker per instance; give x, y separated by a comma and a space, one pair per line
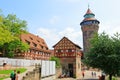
38, 47
69, 54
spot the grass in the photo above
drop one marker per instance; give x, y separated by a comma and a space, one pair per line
113, 78
6, 73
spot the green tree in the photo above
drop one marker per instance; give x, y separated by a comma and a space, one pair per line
104, 54
5, 36
57, 60
11, 28
15, 47
14, 25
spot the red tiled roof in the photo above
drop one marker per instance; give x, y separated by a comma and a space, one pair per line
34, 41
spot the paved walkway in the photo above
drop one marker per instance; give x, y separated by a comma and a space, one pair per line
87, 76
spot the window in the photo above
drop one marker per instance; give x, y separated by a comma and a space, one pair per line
66, 50
31, 38
38, 41
56, 51
46, 48
35, 45
59, 50
42, 47
69, 50
27, 41
37, 52
73, 50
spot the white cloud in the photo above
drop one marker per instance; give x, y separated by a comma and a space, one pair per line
74, 34
52, 36
49, 35
109, 28
54, 20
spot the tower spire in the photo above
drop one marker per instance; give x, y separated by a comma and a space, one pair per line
88, 5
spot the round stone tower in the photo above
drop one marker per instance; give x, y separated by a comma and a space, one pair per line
89, 26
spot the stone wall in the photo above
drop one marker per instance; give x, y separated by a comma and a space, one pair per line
33, 75
58, 72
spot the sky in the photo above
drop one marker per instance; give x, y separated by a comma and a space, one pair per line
54, 19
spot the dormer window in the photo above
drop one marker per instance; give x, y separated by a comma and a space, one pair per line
27, 42
43, 42
38, 41
46, 48
31, 38
42, 47
35, 45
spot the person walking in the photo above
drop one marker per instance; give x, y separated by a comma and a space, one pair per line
83, 74
92, 73
18, 75
13, 75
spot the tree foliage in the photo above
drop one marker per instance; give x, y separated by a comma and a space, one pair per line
57, 60
104, 54
14, 24
5, 36
11, 28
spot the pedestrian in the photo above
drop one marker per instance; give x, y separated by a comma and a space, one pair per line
13, 75
92, 74
99, 77
103, 77
18, 75
83, 74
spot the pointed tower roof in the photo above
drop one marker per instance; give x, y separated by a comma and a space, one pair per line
89, 15
89, 11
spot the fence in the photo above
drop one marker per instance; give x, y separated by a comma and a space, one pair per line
47, 67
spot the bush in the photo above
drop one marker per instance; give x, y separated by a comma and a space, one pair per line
57, 61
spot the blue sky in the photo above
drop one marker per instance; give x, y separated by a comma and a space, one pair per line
54, 19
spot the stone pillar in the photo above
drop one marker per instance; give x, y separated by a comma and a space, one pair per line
33, 75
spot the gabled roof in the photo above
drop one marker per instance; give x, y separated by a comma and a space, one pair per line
68, 40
